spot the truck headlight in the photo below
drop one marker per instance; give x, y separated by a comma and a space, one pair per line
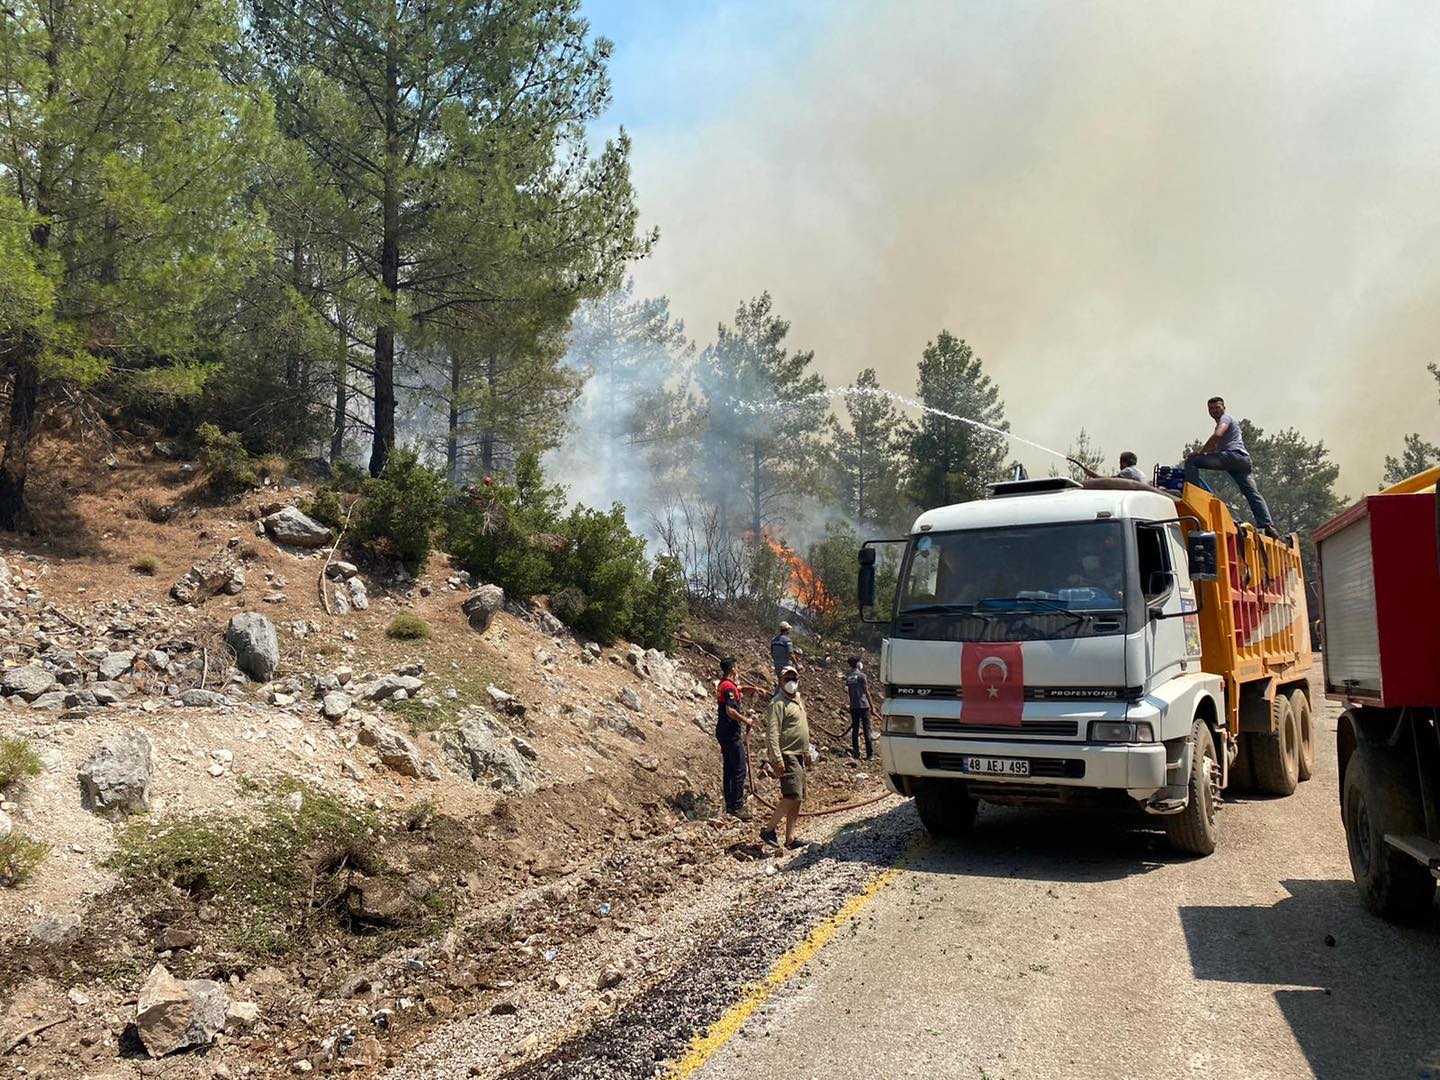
1115, 731
899, 724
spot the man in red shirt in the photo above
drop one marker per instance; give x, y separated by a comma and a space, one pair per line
730, 727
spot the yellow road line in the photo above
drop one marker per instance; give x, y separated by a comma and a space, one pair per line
754, 995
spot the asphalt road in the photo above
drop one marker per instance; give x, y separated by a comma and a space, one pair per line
1050, 946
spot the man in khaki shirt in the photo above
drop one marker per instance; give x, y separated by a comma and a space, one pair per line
787, 749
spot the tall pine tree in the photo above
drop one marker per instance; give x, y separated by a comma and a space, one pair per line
764, 417
869, 454
455, 134
125, 154
951, 460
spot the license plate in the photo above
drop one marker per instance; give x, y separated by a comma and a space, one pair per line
997, 766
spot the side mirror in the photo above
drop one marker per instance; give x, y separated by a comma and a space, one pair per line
866, 584
1203, 558
1160, 586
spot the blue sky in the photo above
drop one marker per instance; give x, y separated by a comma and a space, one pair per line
679, 64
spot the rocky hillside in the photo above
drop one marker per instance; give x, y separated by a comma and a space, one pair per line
267, 810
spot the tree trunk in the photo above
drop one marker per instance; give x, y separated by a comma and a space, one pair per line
384, 440
342, 404
292, 358
452, 438
24, 396
755, 490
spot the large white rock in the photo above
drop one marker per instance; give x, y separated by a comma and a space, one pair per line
115, 780
171, 1015
256, 646
290, 526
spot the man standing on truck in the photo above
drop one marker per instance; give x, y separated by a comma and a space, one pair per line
787, 749
858, 687
1225, 451
731, 728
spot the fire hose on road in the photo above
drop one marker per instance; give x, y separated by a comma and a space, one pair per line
754, 790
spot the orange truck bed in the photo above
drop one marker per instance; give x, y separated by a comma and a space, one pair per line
1254, 620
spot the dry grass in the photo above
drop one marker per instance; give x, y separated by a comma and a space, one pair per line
148, 565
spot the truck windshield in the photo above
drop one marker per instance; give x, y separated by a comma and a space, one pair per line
1072, 567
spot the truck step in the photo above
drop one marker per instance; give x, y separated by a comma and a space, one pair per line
1425, 852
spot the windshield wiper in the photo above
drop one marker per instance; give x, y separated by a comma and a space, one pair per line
1057, 606
948, 609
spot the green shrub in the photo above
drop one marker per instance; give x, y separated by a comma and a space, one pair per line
831, 608
402, 510
228, 465
264, 872
406, 627
348, 477
661, 606
148, 565
18, 761
501, 531
20, 857
606, 562
568, 605
326, 508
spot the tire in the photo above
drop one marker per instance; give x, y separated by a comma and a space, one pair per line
1193, 830
1275, 756
946, 808
1376, 798
1305, 727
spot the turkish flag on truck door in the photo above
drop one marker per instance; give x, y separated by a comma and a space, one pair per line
992, 683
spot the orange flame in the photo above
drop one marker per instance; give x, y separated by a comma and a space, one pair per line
804, 586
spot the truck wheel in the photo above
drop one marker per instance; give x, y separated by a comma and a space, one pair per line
1193, 831
1300, 706
1378, 798
946, 808
1277, 754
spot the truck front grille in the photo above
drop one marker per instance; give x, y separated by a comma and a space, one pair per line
1069, 768
951, 726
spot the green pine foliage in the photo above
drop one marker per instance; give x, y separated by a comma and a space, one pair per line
402, 511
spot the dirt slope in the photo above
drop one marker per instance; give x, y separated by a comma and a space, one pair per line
612, 809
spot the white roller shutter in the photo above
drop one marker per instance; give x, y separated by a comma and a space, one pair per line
1352, 638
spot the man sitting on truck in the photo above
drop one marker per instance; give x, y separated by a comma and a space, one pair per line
1129, 468
1225, 451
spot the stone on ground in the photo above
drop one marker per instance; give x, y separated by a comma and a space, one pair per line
291, 526
481, 605
171, 1015
256, 646
115, 780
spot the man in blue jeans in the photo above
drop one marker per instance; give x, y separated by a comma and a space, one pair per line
1225, 451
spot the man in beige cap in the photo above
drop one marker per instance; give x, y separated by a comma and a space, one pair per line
787, 749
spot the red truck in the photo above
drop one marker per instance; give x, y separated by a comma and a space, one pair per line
1380, 592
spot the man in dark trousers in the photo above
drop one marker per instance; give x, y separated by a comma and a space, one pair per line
730, 728
1225, 451
858, 687
782, 650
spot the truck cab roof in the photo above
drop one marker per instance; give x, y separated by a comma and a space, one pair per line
1051, 507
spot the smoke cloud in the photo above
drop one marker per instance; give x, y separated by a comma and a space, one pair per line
1125, 208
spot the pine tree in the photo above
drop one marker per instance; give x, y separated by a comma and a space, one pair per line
951, 460
454, 134
1085, 451
765, 412
124, 158
869, 454
1417, 456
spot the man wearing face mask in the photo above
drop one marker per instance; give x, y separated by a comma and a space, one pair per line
858, 687
787, 747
